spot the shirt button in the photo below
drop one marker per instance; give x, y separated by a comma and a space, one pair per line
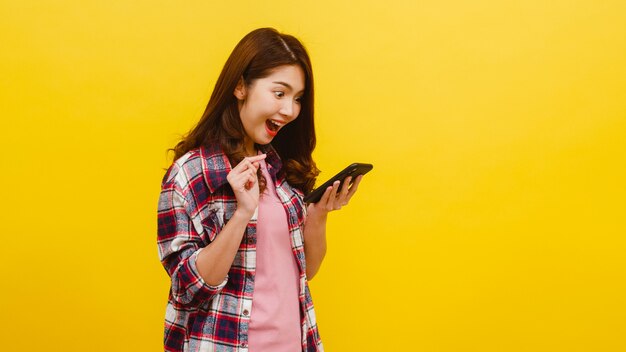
244, 345
246, 312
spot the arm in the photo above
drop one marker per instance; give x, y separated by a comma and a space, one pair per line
215, 260
179, 242
197, 271
315, 226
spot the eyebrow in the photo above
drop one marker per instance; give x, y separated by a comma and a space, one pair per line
286, 85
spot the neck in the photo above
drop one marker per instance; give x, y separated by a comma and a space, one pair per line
250, 149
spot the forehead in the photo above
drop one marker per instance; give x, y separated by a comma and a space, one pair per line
293, 75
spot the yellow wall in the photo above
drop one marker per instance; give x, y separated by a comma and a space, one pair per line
494, 219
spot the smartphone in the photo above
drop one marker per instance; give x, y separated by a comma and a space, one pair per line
353, 170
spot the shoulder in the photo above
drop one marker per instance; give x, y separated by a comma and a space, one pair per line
178, 183
214, 158
201, 165
183, 170
183, 173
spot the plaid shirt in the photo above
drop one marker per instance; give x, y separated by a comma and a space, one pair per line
195, 203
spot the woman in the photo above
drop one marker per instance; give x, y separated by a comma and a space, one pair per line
238, 242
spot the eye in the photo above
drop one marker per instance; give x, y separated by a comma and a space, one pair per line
279, 94
298, 100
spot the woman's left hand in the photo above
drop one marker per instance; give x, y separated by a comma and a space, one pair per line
317, 214
335, 198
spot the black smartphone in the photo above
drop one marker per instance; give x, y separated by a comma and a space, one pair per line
353, 170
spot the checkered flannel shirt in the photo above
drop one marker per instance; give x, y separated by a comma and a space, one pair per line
195, 203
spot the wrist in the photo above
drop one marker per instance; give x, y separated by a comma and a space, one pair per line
242, 215
316, 216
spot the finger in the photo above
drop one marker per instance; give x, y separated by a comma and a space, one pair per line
324, 199
354, 187
245, 167
356, 183
241, 184
330, 205
242, 166
255, 164
248, 162
344, 188
250, 179
256, 158
242, 179
244, 176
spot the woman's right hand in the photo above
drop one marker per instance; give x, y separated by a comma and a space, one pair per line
243, 180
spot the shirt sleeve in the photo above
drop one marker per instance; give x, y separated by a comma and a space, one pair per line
179, 244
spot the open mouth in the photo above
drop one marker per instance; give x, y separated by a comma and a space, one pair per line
272, 127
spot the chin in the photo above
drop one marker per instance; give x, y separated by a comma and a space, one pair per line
264, 140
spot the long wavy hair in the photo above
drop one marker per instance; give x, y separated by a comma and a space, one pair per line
254, 57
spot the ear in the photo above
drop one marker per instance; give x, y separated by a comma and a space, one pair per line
240, 90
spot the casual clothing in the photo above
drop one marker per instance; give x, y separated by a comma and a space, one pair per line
275, 317
196, 202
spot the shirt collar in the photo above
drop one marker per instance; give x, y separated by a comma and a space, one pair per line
216, 166
274, 164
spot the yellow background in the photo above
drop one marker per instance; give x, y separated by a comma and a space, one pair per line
494, 218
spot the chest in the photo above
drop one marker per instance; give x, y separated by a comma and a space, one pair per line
216, 209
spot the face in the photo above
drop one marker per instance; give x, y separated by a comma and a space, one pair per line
269, 103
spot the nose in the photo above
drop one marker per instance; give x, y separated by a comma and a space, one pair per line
289, 109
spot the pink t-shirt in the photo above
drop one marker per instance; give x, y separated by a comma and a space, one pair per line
275, 317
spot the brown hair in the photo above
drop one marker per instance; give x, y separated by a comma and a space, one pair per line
254, 57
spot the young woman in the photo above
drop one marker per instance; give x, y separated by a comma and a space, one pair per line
233, 231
